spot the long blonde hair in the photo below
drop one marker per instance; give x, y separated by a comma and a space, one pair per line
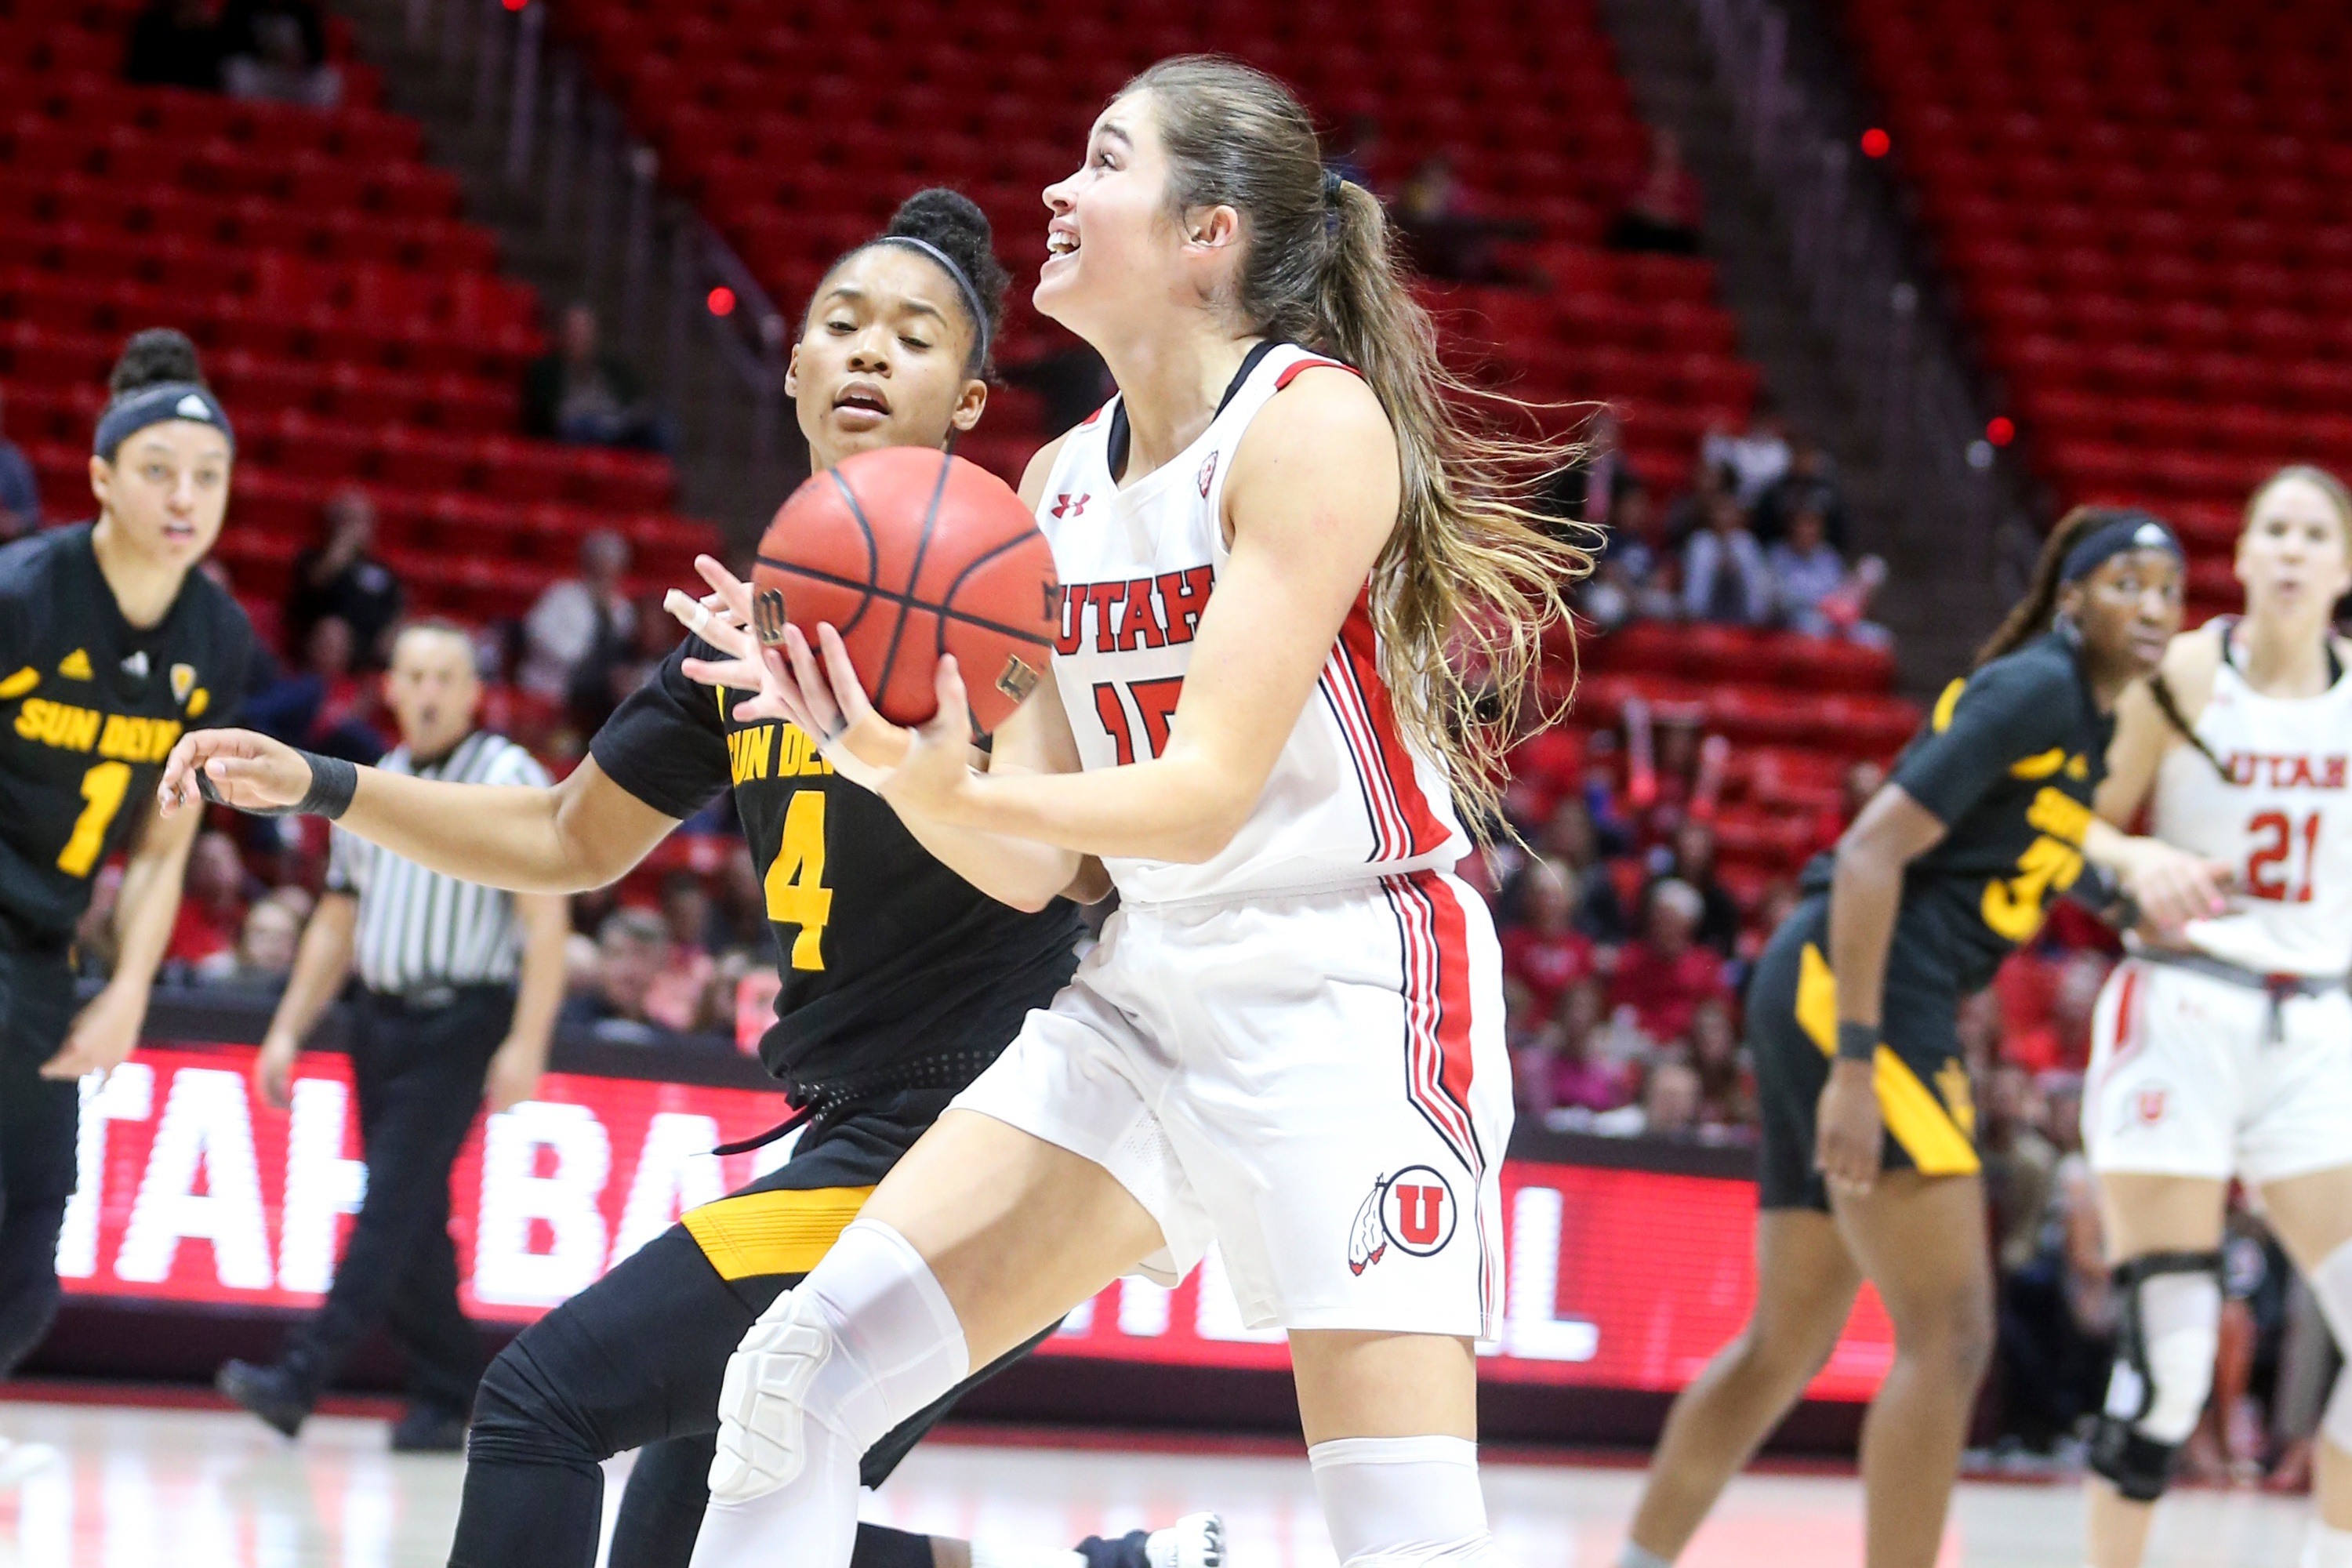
1469, 583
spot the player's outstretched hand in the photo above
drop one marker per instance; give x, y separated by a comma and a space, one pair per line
2172, 887
1848, 1127
938, 761
251, 771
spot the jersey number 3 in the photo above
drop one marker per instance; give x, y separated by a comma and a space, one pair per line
797, 895
2281, 831
101, 793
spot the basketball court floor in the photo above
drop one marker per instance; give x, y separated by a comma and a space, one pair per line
142, 1487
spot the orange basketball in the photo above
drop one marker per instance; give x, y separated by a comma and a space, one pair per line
911, 553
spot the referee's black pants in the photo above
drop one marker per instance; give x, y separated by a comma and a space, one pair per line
38, 1123
418, 1071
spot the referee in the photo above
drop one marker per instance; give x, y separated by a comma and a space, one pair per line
442, 1015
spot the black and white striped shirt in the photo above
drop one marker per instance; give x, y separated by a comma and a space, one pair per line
418, 929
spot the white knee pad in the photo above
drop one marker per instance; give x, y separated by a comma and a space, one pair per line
867, 1340
2331, 1285
1402, 1503
2180, 1315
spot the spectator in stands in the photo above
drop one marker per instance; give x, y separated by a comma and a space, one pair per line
1587, 489
212, 900
20, 493
1444, 232
339, 577
2019, 1164
1727, 1092
1663, 214
1756, 457
580, 625
322, 706
579, 392
2057, 1309
1812, 481
1689, 858
1725, 579
1668, 1107
1570, 839
1583, 1077
739, 914
1666, 976
1543, 950
1812, 592
1634, 579
276, 50
174, 43
264, 954
631, 951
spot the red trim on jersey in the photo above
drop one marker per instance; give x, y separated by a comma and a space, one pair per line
1095, 415
1423, 832
1289, 370
1436, 949
1392, 840
2127, 1015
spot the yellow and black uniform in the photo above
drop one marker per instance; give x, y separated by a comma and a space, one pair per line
901, 982
89, 707
2008, 763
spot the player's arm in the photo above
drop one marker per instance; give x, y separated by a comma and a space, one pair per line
105, 1031
321, 963
1312, 499
581, 833
515, 1069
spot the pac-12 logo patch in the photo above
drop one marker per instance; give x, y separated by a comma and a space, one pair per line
1412, 1210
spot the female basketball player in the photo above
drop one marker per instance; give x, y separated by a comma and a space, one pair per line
110, 644
1868, 1168
900, 980
1289, 1038
2227, 1051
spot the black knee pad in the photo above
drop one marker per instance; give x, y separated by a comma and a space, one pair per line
2139, 1466
29, 1293
520, 1417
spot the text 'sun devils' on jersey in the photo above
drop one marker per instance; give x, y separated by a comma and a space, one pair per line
89, 707
2008, 763
888, 957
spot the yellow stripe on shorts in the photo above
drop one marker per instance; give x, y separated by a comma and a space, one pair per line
781, 1232
1920, 1122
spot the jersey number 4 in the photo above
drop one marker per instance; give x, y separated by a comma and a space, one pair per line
797, 895
1155, 700
2275, 833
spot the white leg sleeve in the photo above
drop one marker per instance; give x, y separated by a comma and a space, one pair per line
812, 1521
2181, 1316
1402, 1503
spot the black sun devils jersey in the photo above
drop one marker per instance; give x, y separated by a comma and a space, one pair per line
888, 958
89, 707
2008, 763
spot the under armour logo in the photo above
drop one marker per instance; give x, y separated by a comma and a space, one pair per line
1070, 506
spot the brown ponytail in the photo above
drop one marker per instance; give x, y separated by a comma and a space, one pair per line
2032, 614
1469, 582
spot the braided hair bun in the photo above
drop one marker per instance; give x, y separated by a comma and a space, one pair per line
156, 355
951, 222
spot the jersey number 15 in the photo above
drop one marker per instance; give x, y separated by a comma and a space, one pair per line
1155, 700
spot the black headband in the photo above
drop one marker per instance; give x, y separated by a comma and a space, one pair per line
134, 411
971, 294
2129, 529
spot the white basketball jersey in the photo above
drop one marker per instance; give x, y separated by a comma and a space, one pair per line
2275, 812
1347, 800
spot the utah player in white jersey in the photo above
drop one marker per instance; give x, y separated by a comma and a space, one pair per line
2231, 1054
1289, 1039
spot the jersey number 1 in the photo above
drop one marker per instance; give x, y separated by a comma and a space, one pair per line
101, 792
797, 895
1154, 699
2282, 832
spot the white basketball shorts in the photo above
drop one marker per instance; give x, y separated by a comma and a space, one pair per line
2186, 1079
1317, 1081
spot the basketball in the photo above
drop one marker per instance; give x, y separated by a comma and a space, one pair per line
910, 553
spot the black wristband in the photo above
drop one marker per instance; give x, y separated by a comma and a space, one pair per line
333, 782
1856, 1042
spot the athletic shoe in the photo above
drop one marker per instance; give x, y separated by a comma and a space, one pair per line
428, 1429
271, 1393
1195, 1540
18, 1460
